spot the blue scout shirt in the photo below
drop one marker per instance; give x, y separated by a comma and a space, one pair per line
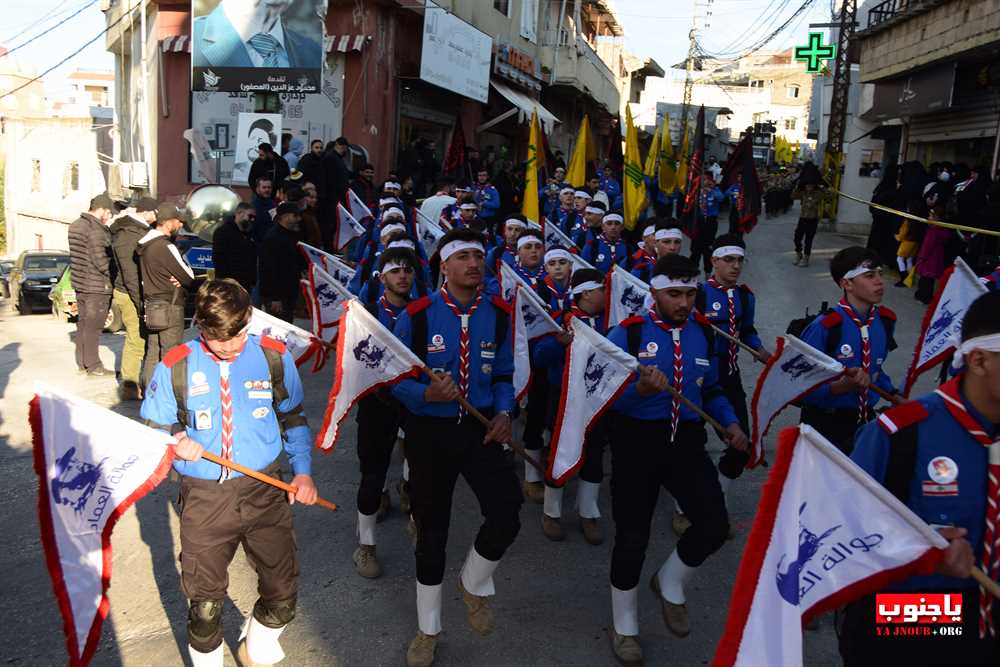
603, 254
716, 311
256, 436
488, 199
949, 482
642, 265
550, 355
501, 253
701, 372
554, 295
848, 353
491, 362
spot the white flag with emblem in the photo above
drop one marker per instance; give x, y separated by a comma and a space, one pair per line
326, 302
369, 357
941, 329
92, 465
428, 231
595, 374
332, 264
531, 321
793, 371
358, 209
825, 534
348, 228
300, 343
509, 280
624, 296
555, 238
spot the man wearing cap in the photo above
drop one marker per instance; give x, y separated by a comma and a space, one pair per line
609, 185
463, 335
281, 263
165, 280
126, 230
564, 214
658, 441
608, 248
506, 252
487, 197
857, 332
644, 259
593, 219
92, 268
549, 356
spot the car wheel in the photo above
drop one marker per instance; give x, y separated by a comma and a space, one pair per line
113, 322
23, 307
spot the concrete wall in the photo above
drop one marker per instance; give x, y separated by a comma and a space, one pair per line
940, 33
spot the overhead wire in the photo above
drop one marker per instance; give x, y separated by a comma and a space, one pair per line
48, 30
35, 22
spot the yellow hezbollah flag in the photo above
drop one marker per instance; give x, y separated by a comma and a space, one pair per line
633, 187
584, 152
668, 174
529, 207
649, 170
682, 161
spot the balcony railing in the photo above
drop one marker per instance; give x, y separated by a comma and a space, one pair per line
884, 11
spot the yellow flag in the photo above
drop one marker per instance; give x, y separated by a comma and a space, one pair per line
633, 187
583, 152
668, 173
649, 169
682, 161
529, 207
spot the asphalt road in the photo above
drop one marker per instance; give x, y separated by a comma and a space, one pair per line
553, 600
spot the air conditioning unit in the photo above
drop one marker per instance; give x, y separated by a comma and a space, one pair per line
137, 175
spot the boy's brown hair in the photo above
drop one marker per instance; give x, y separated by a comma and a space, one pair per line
222, 309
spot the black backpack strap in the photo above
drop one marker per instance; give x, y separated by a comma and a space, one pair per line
902, 462
178, 380
889, 324
418, 335
634, 333
371, 301
421, 289
833, 335
279, 393
700, 298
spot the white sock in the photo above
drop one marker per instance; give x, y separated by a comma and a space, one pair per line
672, 576
901, 263
477, 574
530, 474
406, 470
262, 642
366, 529
586, 500
553, 502
625, 609
199, 659
429, 608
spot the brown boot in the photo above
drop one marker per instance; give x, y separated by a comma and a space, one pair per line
592, 531
552, 529
680, 523
534, 492
365, 561
383, 507
421, 650
675, 616
480, 612
626, 649
411, 530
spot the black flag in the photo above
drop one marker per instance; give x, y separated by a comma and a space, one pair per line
692, 189
741, 171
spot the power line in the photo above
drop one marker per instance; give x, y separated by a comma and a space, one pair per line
42, 34
55, 11
761, 43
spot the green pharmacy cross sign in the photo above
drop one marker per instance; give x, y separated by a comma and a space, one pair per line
815, 53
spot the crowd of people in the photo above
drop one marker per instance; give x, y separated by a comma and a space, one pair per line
446, 303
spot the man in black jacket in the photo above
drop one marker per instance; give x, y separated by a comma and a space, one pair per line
269, 164
311, 166
165, 277
92, 272
281, 263
234, 254
126, 230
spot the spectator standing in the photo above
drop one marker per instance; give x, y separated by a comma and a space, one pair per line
263, 202
165, 279
268, 163
931, 258
311, 166
293, 153
887, 193
281, 263
805, 230
487, 197
364, 186
336, 169
92, 271
126, 231
234, 253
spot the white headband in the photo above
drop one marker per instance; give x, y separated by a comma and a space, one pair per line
586, 287
392, 266
581, 194
594, 209
649, 231
402, 243
558, 253
729, 250
666, 282
528, 238
387, 200
514, 222
392, 185
672, 233
469, 206
391, 228
567, 191
863, 267
392, 213
990, 343
452, 247
613, 217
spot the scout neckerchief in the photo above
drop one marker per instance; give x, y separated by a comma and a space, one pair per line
675, 334
991, 549
866, 351
560, 293
388, 308
463, 342
531, 274
730, 295
591, 320
612, 246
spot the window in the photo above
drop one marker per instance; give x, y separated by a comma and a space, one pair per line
266, 103
502, 6
71, 178
792, 91
756, 83
789, 123
36, 175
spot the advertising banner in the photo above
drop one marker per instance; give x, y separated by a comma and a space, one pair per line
253, 129
455, 55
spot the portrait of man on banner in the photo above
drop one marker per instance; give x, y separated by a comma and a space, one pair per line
257, 45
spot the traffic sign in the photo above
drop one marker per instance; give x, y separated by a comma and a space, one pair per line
199, 258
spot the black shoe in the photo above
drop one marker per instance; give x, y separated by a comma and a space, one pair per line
899, 284
99, 371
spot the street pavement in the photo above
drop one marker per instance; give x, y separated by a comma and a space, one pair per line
552, 603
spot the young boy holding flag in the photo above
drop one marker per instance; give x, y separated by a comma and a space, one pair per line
607, 248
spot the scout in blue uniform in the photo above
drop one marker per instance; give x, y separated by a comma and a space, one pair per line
240, 397
608, 248
549, 357
554, 289
992, 281
644, 259
464, 337
379, 415
487, 197
858, 333
565, 215
658, 441
368, 258
937, 455
593, 218
507, 251
468, 217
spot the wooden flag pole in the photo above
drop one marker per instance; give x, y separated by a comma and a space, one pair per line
698, 411
267, 479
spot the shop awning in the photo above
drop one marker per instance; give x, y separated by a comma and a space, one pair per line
343, 43
924, 92
523, 106
176, 44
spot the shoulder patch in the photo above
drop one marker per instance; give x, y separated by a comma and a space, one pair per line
887, 313
901, 416
632, 321
418, 305
500, 304
176, 354
272, 344
831, 320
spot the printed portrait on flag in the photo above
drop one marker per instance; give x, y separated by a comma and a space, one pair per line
253, 130
257, 45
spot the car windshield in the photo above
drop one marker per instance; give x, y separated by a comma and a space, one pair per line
46, 263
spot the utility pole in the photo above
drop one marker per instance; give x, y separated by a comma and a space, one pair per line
688, 78
833, 156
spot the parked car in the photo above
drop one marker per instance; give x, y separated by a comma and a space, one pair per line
33, 276
63, 298
6, 266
